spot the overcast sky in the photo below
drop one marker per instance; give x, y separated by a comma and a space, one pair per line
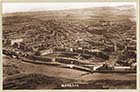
21, 7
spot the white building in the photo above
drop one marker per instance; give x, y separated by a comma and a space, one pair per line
16, 41
45, 52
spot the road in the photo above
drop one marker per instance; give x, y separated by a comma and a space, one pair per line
68, 73
74, 74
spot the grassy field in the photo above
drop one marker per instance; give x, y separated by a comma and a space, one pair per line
50, 77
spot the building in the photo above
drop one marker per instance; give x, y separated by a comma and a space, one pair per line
13, 41
45, 52
122, 68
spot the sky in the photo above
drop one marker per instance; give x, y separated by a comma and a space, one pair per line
21, 7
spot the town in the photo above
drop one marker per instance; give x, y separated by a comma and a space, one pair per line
66, 44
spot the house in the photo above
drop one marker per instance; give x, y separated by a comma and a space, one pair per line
45, 52
13, 41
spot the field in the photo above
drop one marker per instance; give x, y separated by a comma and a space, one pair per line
50, 77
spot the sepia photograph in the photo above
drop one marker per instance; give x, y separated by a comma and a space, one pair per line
55, 46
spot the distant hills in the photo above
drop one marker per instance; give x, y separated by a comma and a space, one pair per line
110, 13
